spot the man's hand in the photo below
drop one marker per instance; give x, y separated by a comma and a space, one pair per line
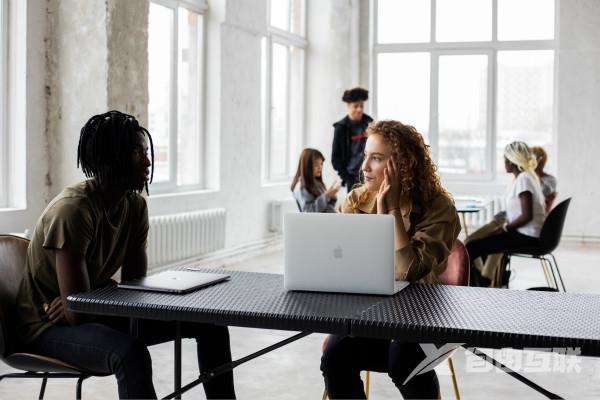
55, 311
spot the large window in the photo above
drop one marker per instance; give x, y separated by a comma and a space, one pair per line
175, 85
283, 89
471, 75
3, 103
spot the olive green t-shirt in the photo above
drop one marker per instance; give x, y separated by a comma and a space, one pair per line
77, 219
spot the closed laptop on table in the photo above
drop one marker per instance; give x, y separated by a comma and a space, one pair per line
174, 281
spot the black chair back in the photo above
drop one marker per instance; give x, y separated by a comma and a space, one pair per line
553, 227
13, 251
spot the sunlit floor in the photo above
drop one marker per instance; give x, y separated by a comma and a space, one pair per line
292, 372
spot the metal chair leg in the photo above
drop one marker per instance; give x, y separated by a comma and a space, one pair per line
562, 283
454, 381
546, 272
43, 389
553, 274
79, 385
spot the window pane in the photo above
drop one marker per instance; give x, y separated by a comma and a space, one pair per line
280, 14
296, 17
463, 20
279, 111
189, 128
403, 21
525, 19
525, 99
403, 89
295, 135
160, 37
3, 105
463, 114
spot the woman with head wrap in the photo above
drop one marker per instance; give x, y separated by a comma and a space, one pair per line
525, 214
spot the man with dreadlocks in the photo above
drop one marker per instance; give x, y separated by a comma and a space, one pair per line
86, 233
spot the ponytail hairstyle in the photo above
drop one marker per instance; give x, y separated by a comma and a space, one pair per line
314, 185
521, 155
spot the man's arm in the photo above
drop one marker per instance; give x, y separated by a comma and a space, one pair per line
72, 275
135, 265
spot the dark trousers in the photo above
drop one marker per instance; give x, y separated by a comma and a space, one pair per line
345, 357
350, 181
108, 347
500, 243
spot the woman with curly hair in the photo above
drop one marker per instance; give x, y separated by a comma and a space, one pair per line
399, 179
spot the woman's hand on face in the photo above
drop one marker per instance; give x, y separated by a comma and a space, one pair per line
392, 198
56, 311
383, 193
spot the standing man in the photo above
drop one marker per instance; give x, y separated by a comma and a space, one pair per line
349, 137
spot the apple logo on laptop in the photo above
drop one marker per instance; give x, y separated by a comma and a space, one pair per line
338, 252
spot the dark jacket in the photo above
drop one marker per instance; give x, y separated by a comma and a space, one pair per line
340, 153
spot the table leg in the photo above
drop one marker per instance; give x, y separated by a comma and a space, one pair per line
464, 222
177, 343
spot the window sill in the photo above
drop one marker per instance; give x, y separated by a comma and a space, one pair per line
268, 184
10, 209
183, 193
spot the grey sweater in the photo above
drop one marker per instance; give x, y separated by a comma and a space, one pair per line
309, 203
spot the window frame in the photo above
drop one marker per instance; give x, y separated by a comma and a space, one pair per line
285, 38
4, 89
170, 186
491, 48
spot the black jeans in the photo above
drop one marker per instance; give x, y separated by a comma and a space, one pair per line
345, 357
350, 181
506, 241
107, 347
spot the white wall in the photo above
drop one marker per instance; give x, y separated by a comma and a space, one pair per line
332, 67
579, 115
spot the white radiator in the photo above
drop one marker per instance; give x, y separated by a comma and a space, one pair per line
179, 236
277, 209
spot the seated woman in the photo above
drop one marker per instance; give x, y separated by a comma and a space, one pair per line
400, 180
525, 214
308, 187
547, 181
86, 233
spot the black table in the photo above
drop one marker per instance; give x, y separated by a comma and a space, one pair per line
484, 317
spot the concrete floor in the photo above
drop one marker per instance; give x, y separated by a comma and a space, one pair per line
292, 372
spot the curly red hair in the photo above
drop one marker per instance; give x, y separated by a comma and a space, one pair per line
418, 176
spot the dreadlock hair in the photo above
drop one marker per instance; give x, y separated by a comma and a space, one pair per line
105, 147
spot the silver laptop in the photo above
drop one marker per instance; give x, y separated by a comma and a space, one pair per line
174, 281
349, 253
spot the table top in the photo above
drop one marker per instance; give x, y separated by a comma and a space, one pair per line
425, 313
471, 205
248, 299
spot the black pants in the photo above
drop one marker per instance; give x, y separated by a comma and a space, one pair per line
108, 347
350, 181
506, 241
345, 357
